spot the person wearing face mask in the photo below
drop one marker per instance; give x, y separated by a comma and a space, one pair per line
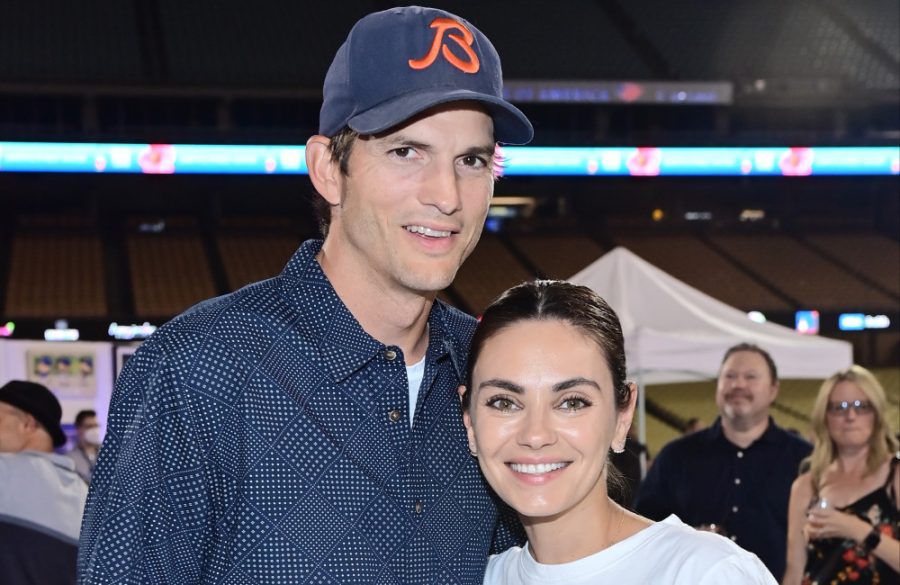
84, 453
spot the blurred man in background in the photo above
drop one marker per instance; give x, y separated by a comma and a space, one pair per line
41, 496
735, 476
87, 444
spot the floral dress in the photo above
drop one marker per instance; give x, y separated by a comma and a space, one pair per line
838, 561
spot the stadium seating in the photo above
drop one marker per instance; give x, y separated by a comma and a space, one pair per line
169, 273
59, 41
872, 18
271, 44
873, 255
489, 271
801, 273
688, 259
722, 40
559, 255
56, 276
249, 258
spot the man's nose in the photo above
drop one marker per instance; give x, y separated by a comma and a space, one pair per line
442, 189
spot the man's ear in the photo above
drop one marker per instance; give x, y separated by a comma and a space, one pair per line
775, 389
324, 172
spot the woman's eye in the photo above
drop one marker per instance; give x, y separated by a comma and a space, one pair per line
573, 404
503, 404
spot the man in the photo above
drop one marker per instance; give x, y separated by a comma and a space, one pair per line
87, 445
41, 496
735, 476
305, 429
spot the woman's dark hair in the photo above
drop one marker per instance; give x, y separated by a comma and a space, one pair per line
556, 300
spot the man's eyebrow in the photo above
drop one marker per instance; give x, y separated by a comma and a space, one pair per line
484, 150
398, 140
504, 384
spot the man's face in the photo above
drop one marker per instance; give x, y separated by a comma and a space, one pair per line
86, 431
415, 200
745, 389
13, 429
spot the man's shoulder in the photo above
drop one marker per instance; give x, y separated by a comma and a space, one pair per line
791, 442
686, 447
232, 311
458, 323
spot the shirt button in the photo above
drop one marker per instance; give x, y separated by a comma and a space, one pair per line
395, 415
733, 538
737, 481
419, 506
734, 509
390, 355
740, 454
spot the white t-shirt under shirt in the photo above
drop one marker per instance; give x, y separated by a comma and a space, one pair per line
414, 375
666, 553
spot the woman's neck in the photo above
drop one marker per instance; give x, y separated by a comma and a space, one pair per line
577, 533
851, 461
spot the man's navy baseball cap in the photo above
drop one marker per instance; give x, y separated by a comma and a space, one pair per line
400, 62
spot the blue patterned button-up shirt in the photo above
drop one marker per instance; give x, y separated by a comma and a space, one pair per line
263, 437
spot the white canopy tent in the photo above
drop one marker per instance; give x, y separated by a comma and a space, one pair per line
675, 333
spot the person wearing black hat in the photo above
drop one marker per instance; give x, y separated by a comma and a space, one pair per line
41, 496
306, 429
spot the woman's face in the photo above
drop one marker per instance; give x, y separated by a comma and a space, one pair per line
542, 418
850, 423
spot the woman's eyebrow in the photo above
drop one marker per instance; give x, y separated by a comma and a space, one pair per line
504, 384
572, 383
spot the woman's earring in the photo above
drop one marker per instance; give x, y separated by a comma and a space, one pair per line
619, 449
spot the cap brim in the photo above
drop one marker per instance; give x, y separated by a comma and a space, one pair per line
510, 124
58, 436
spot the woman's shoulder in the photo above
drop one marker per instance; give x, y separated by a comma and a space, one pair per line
500, 566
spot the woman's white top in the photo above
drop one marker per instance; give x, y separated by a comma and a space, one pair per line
666, 553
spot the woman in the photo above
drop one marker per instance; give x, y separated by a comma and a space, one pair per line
843, 521
546, 400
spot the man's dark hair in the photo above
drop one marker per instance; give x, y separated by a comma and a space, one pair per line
752, 347
340, 146
83, 414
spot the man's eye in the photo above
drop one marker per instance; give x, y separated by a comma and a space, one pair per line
473, 160
403, 151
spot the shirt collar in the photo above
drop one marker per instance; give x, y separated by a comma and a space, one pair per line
770, 435
344, 347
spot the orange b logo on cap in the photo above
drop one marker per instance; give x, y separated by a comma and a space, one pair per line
441, 26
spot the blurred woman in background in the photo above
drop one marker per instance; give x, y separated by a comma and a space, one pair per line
546, 401
843, 520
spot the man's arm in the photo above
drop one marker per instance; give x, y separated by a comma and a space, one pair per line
146, 514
